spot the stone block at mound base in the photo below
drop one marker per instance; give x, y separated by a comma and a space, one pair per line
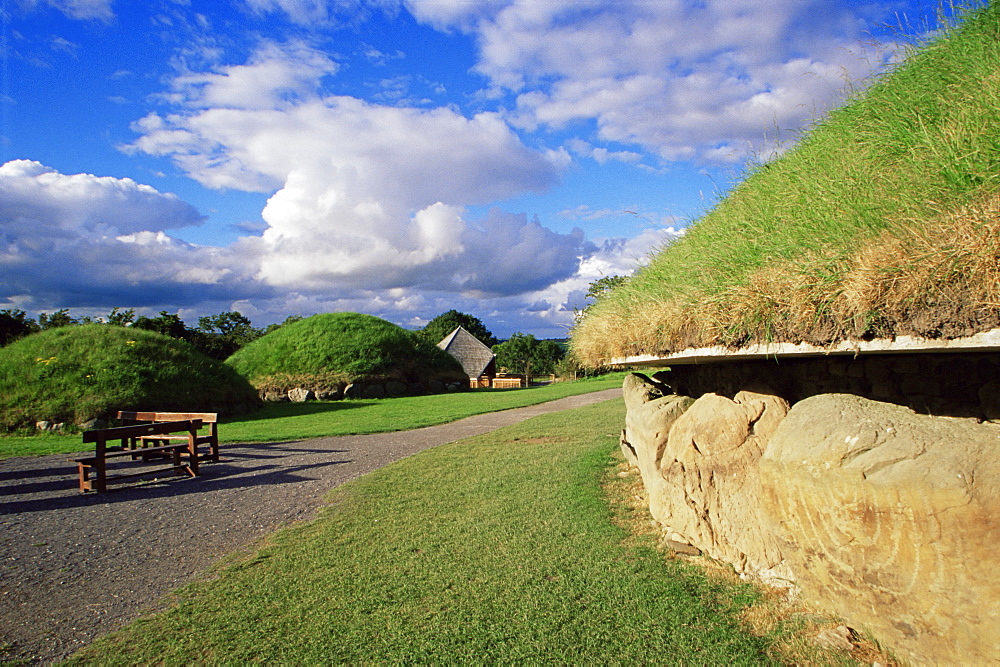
698, 460
300, 395
710, 472
648, 420
890, 520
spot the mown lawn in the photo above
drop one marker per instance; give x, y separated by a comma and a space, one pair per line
499, 548
292, 421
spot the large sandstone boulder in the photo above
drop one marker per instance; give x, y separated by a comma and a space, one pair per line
889, 519
710, 472
650, 412
698, 461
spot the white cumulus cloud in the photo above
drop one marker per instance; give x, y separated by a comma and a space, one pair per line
715, 81
365, 195
82, 239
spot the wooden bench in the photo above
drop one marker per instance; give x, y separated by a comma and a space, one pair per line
208, 437
127, 434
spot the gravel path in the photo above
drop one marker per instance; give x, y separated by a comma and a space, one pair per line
76, 566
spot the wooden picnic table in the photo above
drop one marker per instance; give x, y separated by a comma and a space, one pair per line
183, 455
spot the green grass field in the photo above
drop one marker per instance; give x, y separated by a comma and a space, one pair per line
496, 549
292, 421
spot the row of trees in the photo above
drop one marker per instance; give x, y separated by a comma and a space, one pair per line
218, 336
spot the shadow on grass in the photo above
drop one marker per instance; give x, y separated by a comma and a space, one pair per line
279, 410
54, 486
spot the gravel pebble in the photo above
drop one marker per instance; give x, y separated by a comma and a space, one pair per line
74, 566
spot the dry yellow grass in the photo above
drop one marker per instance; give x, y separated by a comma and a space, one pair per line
930, 278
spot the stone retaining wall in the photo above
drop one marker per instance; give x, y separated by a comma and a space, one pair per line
870, 486
386, 389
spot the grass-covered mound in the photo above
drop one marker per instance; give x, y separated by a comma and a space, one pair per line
884, 220
77, 373
338, 348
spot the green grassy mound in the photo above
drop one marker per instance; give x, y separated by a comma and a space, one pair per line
884, 220
74, 374
338, 348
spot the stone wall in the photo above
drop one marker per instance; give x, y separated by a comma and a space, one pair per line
871, 511
369, 389
943, 384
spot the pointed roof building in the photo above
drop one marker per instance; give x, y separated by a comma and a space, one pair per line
476, 358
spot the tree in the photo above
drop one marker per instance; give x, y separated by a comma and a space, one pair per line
601, 287
288, 320
220, 335
121, 318
60, 318
546, 355
597, 290
15, 324
167, 324
516, 353
442, 325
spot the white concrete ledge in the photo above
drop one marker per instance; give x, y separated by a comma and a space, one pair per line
982, 342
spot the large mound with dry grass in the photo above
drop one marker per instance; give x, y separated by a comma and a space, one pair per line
883, 221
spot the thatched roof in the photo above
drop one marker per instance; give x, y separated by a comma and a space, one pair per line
476, 358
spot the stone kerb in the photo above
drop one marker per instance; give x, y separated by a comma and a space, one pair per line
874, 513
356, 390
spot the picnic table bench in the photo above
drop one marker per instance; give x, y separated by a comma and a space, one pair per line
209, 437
174, 451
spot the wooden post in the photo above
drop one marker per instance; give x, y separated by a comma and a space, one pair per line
100, 464
193, 446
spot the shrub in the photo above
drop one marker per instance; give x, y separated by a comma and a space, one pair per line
75, 374
339, 348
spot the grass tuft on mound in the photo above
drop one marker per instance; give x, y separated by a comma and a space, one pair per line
336, 348
74, 374
884, 220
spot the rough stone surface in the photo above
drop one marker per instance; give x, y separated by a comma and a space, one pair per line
330, 394
300, 395
373, 391
698, 460
835, 639
711, 483
275, 396
877, 514
648, 418
396, 388
888, 519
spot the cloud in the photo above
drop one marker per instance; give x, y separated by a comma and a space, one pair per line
312, 12
85, 10
551, 308
91, 243
274, 74
82, 204
365, 195
715, 81
70, 240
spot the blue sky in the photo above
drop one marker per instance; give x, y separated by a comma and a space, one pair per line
394, 157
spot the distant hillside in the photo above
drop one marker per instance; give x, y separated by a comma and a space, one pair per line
883, 220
